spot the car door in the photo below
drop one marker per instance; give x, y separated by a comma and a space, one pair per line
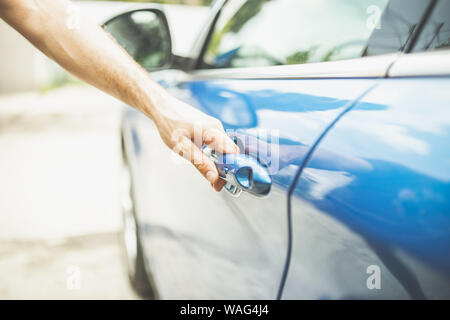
371, 209
202, 244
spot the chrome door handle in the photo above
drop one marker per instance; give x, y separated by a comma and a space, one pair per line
241, 173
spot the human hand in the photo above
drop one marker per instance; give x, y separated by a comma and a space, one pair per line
185, 129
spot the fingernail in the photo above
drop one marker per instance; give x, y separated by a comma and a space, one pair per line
210, 176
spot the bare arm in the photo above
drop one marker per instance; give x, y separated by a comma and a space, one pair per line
90, 54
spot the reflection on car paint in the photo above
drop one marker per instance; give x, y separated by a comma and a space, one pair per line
386, 172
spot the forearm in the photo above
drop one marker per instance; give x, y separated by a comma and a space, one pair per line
85, 50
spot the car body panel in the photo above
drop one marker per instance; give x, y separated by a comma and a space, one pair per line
375, 193
200, 244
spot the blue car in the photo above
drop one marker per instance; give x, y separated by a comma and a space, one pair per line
341, 109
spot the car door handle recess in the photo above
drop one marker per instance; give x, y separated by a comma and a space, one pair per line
241, 172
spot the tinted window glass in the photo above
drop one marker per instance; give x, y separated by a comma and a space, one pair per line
396, 27
436, 34
252, 33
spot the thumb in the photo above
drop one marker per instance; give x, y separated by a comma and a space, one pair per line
219, 141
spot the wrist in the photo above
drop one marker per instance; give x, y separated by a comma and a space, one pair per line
156, 102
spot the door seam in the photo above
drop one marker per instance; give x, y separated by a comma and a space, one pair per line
292, 186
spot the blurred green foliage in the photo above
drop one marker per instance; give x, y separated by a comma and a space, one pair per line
248, 10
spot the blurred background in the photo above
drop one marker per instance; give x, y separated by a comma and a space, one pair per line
60, 219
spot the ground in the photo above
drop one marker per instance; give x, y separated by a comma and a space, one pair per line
59, 212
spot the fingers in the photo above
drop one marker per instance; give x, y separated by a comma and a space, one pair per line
219, 185
218, 140
188, 144
188, 150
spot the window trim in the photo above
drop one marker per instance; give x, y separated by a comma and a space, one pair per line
422, 64
364, 67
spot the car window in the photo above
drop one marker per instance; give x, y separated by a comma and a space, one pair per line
397, 26
436, 33
251, 33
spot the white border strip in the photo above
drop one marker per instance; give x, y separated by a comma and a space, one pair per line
367, 67
433, 63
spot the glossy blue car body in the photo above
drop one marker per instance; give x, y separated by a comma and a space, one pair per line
382, 173
362, 162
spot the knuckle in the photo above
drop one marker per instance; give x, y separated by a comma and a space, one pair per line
203, 167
